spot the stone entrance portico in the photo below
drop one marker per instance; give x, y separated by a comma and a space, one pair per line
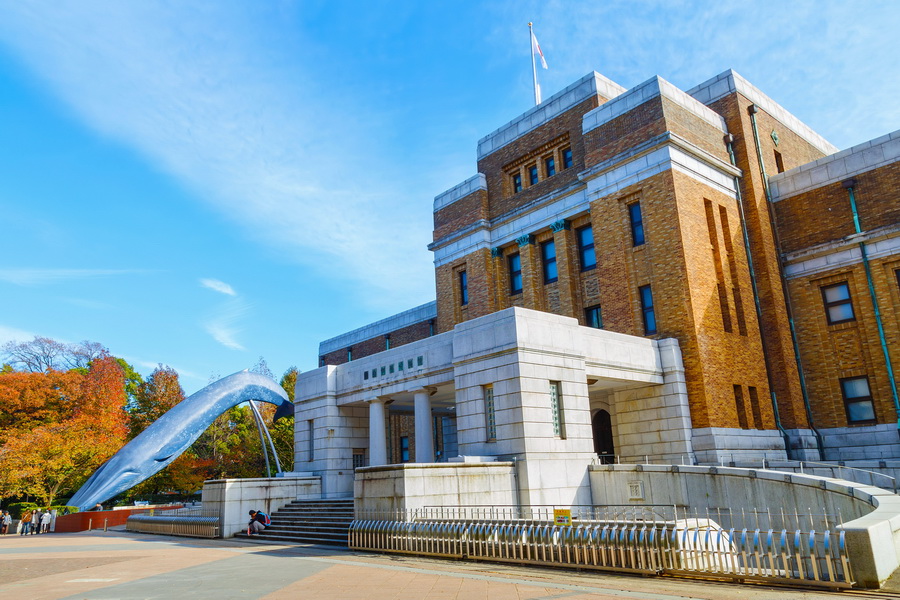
516, 385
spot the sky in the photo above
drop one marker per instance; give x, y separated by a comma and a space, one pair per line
201, 184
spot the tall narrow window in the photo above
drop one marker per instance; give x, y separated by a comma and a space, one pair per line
404, 448
739, 406
517, 183
838, 304
550, 166
586, 254
310, 441
490, 420
637, 224
593, 318
548, 258
567, 158
387, 341
647, 310
515, 273
779, 162
463, 288
858, 400
556, 409
532, 175
754, 406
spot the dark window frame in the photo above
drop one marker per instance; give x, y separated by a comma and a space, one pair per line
568, 159
515, 275
549, 263
589, 321
857, 399
463, 288
533, 175
830, 304
647, 308
638, 235
550, 165
516, 182
404, 448
583, 248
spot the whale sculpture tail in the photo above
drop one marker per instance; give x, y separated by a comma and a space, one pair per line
174, 432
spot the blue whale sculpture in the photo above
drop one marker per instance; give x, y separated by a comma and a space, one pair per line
173, 433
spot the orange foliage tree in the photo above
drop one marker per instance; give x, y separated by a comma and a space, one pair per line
90, 426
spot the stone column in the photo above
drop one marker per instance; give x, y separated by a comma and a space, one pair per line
377, 433
424, 426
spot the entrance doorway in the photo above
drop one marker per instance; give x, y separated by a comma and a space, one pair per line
601, 424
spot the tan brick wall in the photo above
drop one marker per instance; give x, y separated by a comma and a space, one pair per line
479, 272
851, 349
461, 213
500, 197
775, 323
400, 337
823, 214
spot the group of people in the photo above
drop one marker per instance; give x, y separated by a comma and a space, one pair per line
33, 522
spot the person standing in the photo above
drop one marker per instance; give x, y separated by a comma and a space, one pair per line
26, 523
5, 522
45, 521
36, 521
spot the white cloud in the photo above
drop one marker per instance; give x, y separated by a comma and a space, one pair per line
12, 334
29, 277
226, 109
222, 325
218, 286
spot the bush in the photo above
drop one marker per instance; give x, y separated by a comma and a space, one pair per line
17, 508
64, 510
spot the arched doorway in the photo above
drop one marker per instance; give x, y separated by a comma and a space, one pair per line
601, 424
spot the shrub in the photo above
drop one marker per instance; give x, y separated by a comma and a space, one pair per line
17, 508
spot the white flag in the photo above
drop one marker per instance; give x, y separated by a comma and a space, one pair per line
536, 49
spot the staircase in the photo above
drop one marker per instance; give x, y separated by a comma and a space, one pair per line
309, 522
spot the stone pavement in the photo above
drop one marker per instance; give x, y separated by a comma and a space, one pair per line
117, 565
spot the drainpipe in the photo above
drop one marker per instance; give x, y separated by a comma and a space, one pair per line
850, 185
729, 142
752, 109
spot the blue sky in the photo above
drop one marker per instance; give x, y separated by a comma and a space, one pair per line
201, 184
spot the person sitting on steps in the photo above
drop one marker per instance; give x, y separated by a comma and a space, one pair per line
258, 522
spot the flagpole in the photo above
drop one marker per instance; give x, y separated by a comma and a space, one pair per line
537, 87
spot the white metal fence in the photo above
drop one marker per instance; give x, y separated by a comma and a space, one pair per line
647, 540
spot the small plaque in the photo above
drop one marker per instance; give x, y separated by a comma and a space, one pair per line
635, 490
562, 516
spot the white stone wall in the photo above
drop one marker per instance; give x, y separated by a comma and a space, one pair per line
878, 442
387, 491
233, 499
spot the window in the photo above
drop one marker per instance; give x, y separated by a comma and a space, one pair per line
739, 406
515, 273
586, 248
387, 341
647, 310
517, 183
779, 162
309, 440
463, 288
858, 400
404, 448
556, 409
550, 166
567, 158
489, 417
548, 257
532, 175
838, 305
366, 374
359, 457
637, 224
593, 318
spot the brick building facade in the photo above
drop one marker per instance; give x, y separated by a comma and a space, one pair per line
710, 216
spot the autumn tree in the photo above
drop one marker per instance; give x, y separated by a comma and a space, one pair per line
43, 354
154, 397
56, 458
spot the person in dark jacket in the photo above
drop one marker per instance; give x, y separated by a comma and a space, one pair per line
258, 521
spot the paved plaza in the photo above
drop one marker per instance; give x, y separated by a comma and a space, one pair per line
117, 565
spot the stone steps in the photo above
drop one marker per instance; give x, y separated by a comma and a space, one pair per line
309, 522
